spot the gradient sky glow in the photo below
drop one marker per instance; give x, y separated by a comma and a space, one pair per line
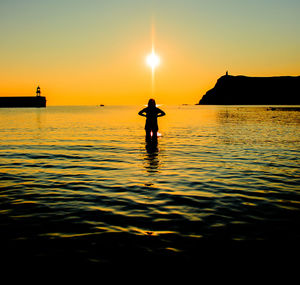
89, 52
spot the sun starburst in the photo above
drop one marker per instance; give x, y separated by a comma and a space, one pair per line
153, 60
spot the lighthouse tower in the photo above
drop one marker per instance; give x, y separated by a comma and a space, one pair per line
38, 91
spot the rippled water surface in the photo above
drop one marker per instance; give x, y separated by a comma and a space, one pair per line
82, 182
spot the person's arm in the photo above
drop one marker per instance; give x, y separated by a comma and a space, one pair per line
143, 113
160, 113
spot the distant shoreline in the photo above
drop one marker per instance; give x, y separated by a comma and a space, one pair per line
243, 90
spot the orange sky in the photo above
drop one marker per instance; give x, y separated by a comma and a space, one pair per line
90, 53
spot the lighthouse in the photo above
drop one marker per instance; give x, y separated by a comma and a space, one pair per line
37, 101
38, 91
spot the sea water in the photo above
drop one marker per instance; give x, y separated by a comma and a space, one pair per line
82, 183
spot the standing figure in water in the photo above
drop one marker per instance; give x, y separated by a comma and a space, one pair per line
151, 113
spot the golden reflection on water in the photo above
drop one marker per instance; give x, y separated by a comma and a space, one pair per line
214, 172
152, 155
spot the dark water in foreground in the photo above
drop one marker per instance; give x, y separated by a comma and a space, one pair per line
81, 184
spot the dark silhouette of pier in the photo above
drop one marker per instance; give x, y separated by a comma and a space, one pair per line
37, 101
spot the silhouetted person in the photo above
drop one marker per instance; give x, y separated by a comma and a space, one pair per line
151, 113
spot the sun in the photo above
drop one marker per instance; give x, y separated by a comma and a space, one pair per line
153, 60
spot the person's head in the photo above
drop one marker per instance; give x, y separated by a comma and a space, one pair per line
151, 103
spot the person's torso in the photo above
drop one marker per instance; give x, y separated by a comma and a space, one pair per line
151, 114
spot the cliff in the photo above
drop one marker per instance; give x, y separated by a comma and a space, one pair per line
243, 90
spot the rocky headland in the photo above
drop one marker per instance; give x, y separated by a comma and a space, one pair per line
244, 90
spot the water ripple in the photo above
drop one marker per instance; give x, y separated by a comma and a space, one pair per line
99, 190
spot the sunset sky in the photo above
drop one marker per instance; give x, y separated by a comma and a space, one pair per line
89, 52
